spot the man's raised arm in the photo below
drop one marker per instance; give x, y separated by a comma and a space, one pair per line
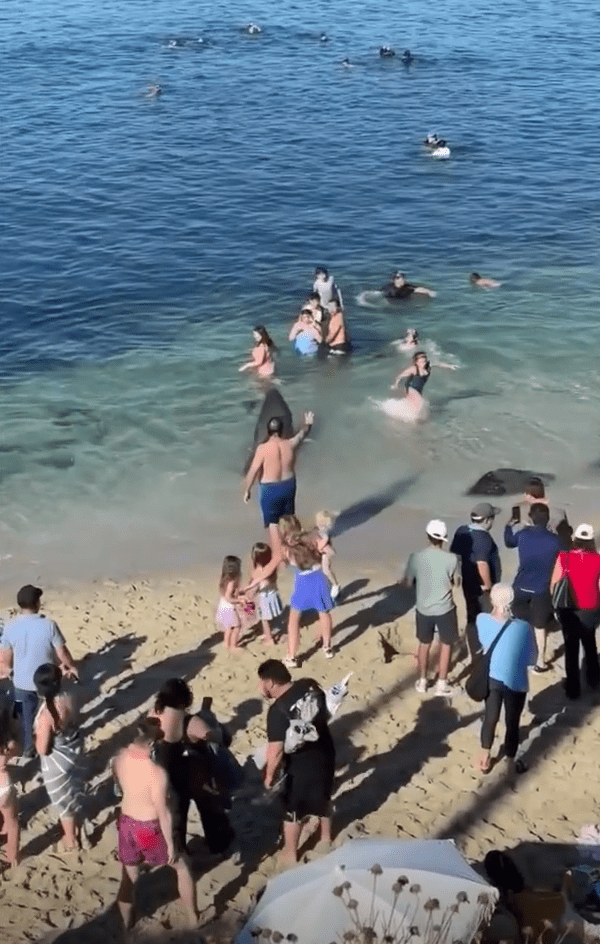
309, 419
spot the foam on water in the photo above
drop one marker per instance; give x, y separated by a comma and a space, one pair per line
144, 238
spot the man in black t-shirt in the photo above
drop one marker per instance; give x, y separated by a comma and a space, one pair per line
299, 739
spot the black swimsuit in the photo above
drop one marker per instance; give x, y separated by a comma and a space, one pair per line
416, 382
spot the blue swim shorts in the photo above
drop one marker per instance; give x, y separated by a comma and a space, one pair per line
277, 499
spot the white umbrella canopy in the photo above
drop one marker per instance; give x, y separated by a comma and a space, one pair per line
380, 890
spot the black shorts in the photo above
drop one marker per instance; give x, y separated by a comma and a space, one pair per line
308, 787
535, 608
446, 625
477, 604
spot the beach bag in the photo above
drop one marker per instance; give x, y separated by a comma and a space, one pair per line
562, 595
478, 683
302, 714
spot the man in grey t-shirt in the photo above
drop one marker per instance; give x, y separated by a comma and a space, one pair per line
435, 572
27, 642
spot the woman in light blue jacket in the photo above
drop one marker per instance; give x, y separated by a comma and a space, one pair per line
512, 656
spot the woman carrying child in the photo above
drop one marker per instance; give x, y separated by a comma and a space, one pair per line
311, 590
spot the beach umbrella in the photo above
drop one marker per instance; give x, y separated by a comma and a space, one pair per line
375, 890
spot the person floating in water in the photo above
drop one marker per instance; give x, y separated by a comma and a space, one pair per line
480, 282
407, 57
409, 342
262, 353
436, 146
386, 52
398, 288
253, 29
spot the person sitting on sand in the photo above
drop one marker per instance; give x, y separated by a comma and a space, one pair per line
310, 768
480, 282
508, 685
337, 338
146, 825
306, 333
59, 742
399, 289
262, 353
9, 814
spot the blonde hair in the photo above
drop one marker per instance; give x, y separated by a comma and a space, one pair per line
288, 524
502, 596
325, 519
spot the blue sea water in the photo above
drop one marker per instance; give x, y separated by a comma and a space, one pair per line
142, 238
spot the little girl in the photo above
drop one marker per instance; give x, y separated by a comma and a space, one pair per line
264, 576
324, 522
9, 816
229, 607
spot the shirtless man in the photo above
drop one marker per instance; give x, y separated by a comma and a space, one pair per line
145, 823
274, 461
481, 281
337, 340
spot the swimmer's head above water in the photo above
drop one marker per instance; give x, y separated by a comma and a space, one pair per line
411, 336
275, 426
386, 52
260, 334
421, 361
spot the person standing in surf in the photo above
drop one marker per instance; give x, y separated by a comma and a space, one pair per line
274, 463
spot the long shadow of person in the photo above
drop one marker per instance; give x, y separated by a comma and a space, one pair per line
371, 506
387, 773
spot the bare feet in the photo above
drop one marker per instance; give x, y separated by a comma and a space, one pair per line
484, 763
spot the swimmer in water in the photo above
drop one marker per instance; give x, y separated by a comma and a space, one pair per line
431, 141
480, 282
407, 57
153, 91
337, 339
326, 288
306, 333
386, 52
409, 342
262, 353
416, 376
252, 29
347, 64
399, 289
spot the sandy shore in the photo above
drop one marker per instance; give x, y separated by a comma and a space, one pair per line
404, 762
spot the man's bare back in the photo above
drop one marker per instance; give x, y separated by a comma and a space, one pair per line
143, 783
274, 460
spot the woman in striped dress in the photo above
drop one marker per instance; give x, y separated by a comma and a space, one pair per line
59, 743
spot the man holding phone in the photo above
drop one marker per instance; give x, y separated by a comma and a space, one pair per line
480, 563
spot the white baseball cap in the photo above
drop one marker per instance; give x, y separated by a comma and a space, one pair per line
584, 532
437, 529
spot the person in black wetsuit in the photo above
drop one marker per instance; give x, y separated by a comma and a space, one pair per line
184, 754
398, 289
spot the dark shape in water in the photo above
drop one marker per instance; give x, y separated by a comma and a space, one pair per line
386, 52
506, 482
273, 405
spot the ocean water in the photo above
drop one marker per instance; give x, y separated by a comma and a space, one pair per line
143, 238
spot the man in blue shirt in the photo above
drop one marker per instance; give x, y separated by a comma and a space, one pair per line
480, 564
538, 548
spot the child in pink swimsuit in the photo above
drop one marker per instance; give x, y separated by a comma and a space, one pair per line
230, 608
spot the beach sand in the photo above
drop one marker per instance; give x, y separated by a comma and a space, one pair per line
405, 763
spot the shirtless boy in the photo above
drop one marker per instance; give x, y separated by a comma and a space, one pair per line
145, 823
274, 461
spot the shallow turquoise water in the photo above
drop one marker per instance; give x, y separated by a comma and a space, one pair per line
143, 239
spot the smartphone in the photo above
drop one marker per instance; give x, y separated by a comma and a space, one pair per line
516, 513
206, 703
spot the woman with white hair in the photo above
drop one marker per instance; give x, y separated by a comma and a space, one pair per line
514, 652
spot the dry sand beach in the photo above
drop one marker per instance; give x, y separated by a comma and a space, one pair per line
405, 763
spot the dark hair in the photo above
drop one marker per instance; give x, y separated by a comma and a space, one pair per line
321, 270
6, 734
261, 554
274, 671
314, 297
475, 276
29, 597
535, 487
584, 544
539, 514
265, 336
47, 680
174, 693
275, 426
146, 730
231, 570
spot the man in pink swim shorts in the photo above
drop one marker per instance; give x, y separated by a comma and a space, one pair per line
145, 824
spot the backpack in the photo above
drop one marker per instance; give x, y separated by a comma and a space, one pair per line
302, 716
